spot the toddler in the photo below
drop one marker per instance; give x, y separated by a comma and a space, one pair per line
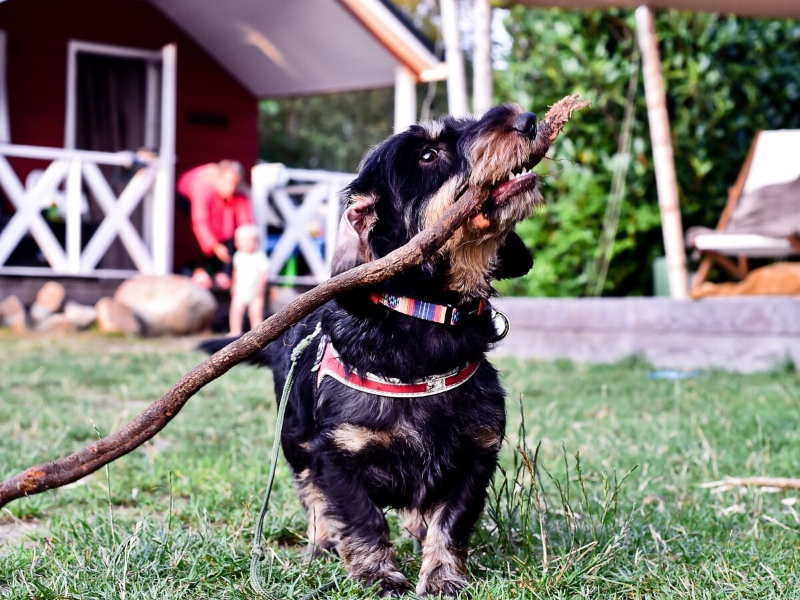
250, 272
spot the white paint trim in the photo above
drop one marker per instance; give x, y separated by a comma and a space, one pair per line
76, 46
164, 196
124, 158
390, 21
5, 123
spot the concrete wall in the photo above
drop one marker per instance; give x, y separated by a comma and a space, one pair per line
739, 334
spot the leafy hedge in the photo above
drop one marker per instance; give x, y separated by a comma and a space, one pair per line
726, 79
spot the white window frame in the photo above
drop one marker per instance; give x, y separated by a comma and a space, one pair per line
152, 57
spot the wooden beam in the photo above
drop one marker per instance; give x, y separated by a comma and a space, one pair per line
666, 180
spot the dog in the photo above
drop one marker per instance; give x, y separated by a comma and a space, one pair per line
395, 404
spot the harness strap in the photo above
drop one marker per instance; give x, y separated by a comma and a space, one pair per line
331, 365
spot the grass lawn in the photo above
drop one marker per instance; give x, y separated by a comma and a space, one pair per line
174, 519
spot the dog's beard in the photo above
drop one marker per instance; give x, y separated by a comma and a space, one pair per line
472, 250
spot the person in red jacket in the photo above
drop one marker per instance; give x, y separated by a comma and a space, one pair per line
219, 206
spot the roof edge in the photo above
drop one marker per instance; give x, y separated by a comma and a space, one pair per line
398, 37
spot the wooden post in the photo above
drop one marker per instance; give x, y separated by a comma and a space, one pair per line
405, 98
164, 194
5, 128
662, 154
73, 214
483, 86
456, 77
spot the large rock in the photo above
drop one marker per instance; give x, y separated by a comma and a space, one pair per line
167, 304
81, 315
12, 314
49, 300
115, 317
57, 324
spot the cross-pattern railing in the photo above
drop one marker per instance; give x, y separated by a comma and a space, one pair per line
78, 172
304, 206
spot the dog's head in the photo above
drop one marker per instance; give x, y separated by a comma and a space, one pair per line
407, 182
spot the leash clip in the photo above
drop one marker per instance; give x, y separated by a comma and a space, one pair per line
497, 315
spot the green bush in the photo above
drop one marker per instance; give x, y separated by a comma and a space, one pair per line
726, 79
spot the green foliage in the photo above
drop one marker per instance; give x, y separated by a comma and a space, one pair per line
330, 132
726, 78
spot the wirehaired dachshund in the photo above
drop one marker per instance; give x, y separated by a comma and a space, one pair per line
395, 404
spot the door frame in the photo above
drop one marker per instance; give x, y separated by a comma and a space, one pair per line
151, 57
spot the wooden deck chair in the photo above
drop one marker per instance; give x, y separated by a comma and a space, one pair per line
772, 159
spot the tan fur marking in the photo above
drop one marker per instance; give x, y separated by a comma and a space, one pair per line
488, 438
323, 532
355, 438
441, 564
413, 525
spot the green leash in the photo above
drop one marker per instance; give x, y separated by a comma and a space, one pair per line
257, 554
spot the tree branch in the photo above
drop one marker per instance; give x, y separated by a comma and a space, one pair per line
422, 247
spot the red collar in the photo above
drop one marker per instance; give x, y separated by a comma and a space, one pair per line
330, 364
438, 313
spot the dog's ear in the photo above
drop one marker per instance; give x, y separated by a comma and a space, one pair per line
513, 258
352, 243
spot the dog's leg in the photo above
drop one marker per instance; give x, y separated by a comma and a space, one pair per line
365, 545
323, 532
413, 525
444, 551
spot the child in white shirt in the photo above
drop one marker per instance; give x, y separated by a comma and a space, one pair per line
250, 272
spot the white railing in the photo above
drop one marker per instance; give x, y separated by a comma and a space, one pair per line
65, 182
304, 206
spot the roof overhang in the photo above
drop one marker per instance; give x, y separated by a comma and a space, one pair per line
749, 8
289, 48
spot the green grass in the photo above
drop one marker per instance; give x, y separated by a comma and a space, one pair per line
174, 520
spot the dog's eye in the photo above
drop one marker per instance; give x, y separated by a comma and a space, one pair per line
429, 155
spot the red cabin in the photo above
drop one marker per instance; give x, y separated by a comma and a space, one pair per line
103, 103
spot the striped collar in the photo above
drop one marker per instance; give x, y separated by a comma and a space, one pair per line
438, 313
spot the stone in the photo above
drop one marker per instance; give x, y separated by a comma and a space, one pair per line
81, 315
12, 314
49, 300
115, 317
57, 324
168, 304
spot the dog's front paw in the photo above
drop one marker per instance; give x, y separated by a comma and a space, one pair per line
394, 587
441, 583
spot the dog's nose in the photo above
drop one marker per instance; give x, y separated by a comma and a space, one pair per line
526, 124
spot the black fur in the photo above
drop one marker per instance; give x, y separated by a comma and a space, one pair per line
355, 454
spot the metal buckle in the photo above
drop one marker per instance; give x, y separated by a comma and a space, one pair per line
436, 384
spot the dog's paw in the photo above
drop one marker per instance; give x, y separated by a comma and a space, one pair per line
324, 548
442, 587
393, 585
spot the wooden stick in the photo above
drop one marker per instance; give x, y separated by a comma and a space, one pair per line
729, 483
424, 245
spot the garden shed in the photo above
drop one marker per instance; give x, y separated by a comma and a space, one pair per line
103, 104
